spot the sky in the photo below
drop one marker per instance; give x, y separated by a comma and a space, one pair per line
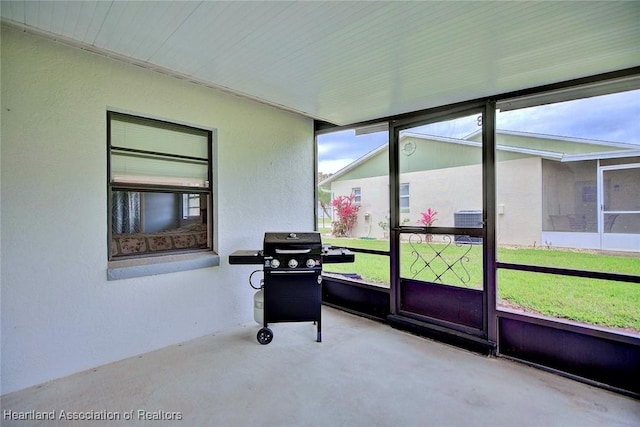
614, 118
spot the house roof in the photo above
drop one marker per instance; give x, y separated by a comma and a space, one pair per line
618, 154
621, 145
628, 150
349, 62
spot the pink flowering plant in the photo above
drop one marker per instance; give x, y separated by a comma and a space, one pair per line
427, 219
347, 211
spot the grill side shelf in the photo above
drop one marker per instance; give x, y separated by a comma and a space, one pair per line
246, 257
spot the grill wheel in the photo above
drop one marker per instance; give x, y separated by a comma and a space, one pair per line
265, 335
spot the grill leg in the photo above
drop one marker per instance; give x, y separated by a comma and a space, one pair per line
319, 339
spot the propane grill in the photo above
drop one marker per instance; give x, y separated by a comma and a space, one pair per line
292, 287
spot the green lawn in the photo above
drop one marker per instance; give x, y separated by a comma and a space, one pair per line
598, 302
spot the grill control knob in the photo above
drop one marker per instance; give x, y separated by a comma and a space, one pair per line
293, 263
311, 263
275, 263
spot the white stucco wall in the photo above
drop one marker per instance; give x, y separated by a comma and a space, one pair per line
60, 315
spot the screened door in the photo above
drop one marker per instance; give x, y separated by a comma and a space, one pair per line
439, 220
619, 222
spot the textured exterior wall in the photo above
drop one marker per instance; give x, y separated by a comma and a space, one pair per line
60, 315
458, 188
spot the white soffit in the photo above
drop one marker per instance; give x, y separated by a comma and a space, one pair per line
347, 62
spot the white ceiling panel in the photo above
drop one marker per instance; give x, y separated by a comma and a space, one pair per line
210, 42
139, 30
91, 15
351, 61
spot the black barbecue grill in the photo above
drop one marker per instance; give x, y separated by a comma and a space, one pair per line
292, 266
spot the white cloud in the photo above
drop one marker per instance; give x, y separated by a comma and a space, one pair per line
333, 166
614, 117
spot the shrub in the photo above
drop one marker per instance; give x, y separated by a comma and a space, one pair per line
427, 219
347, 212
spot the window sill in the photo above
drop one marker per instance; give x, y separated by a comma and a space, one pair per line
140, 267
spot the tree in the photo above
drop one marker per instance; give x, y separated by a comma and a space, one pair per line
324, 194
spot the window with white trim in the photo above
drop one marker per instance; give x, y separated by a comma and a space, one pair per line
159, 187
404, 198
357, 195
190, 206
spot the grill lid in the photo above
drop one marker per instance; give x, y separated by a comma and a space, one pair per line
292, 241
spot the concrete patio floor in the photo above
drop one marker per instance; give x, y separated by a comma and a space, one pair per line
364, 373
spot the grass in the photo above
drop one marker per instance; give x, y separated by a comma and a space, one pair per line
597, 302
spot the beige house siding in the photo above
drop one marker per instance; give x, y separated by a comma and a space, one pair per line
445, 191
454, 189
519, 195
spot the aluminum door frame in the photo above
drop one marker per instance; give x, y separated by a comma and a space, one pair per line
486, 109
607, 240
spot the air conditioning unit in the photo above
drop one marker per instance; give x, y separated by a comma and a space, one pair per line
468, 219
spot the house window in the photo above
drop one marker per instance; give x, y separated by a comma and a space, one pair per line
357, 195
191, 206
404, 198
159, 187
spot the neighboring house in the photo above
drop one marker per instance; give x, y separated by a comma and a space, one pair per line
549, 188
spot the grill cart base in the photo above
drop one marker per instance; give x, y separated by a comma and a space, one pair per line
293, 297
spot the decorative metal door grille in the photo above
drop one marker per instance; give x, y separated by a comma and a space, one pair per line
442, 262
